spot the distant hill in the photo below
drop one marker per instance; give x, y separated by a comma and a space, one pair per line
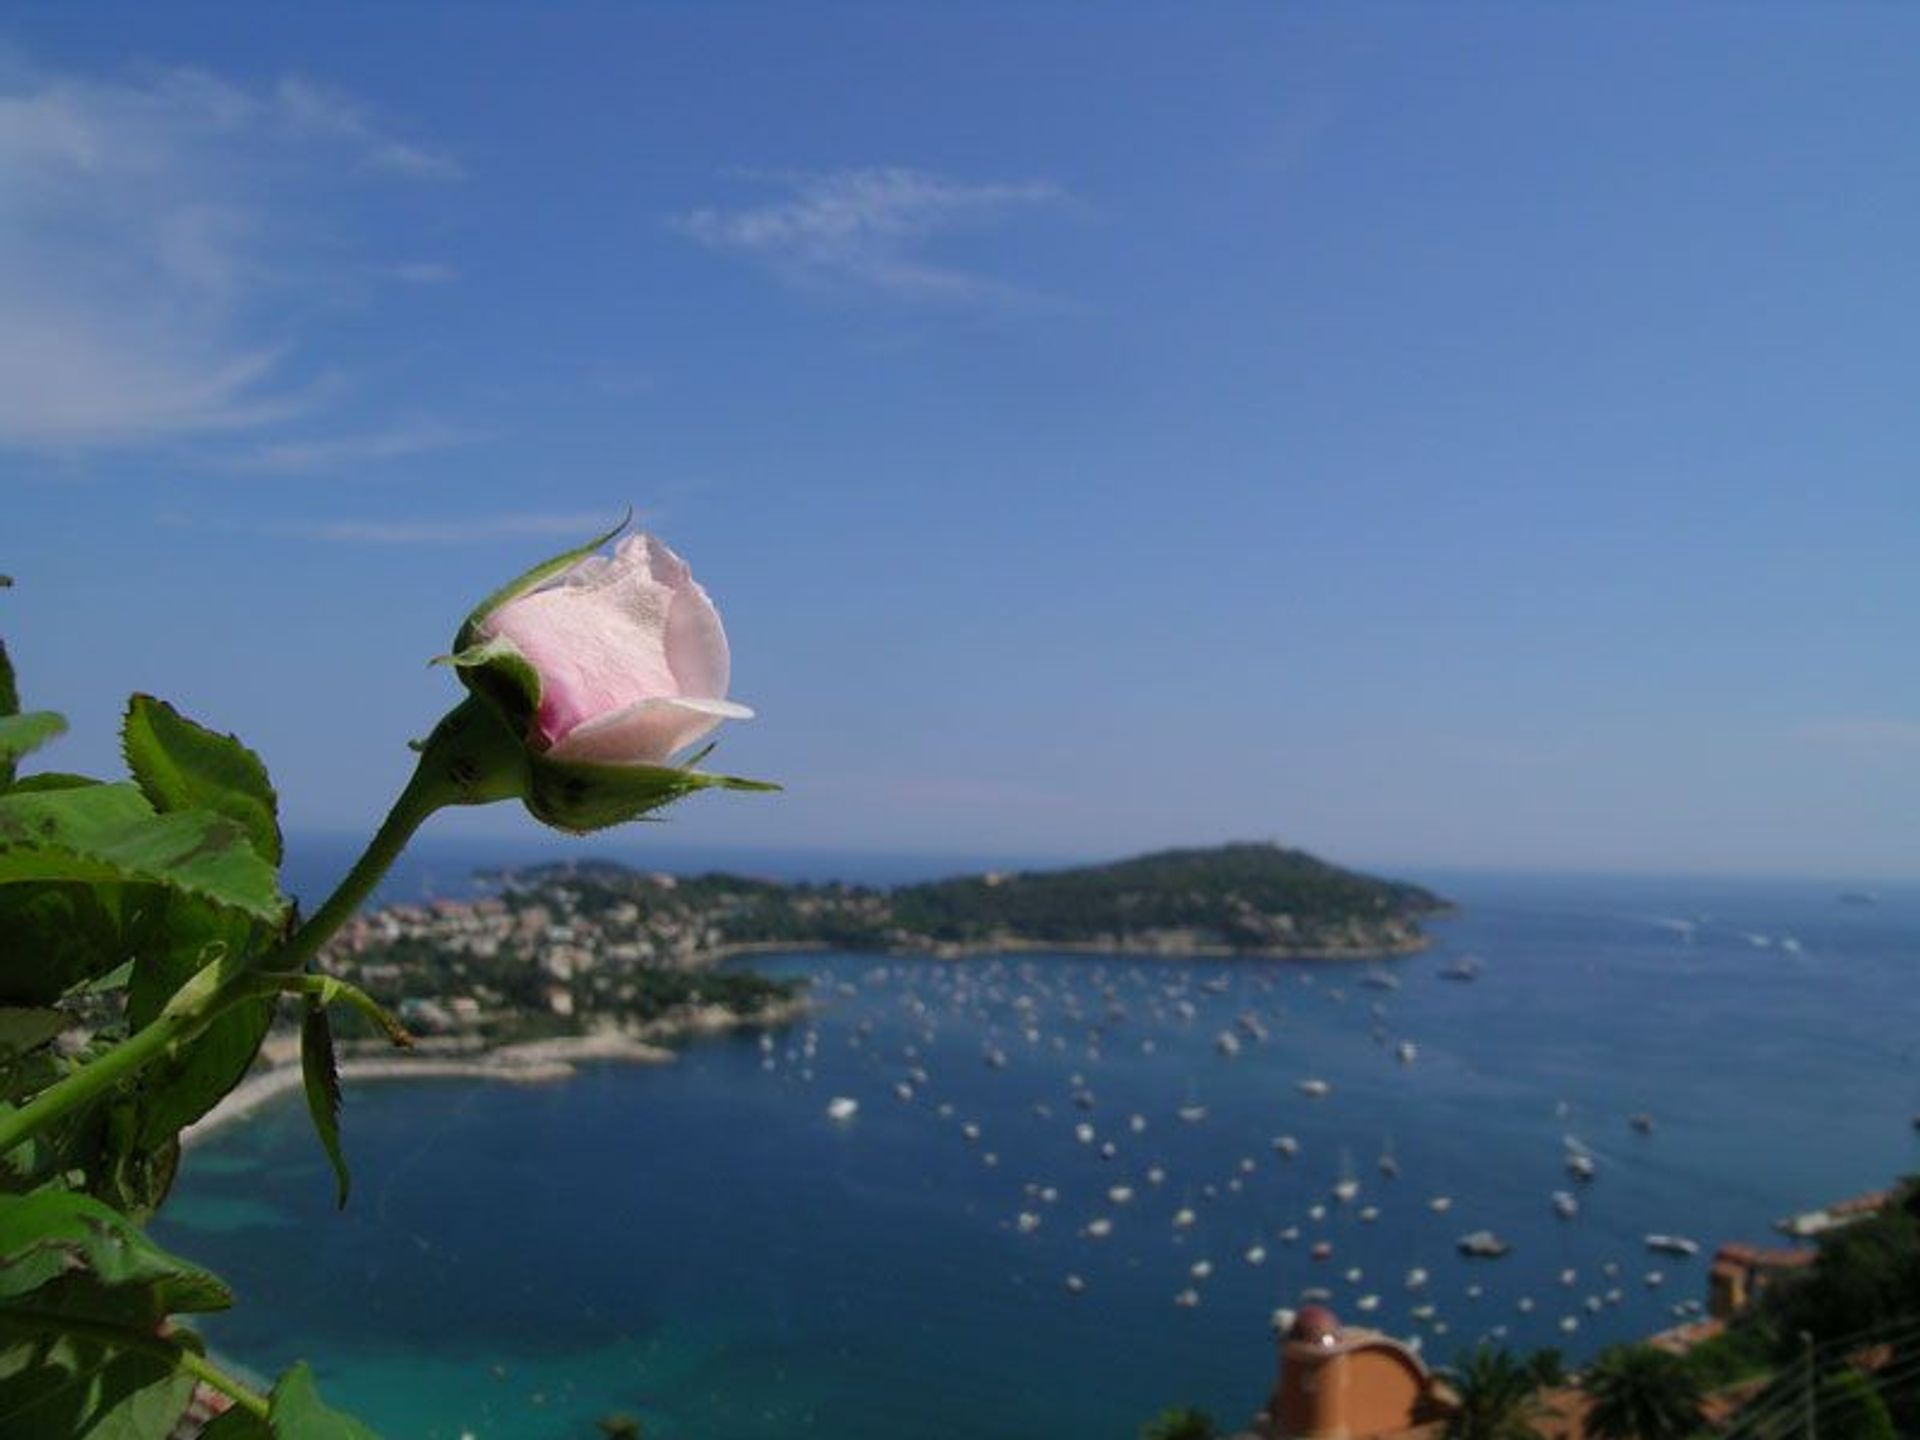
1255, 899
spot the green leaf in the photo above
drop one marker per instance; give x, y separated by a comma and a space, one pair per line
23, 734
110, 832
56, 937
322, 1078
60, 1384
184, 935
238, 1424
52, 780
72, 1255
9, 691
579, 797
180, 765
22, 1030
469, 635
297, 1413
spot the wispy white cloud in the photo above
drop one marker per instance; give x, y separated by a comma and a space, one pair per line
870, 229
314, 110
339, 452
578, 527
146, 223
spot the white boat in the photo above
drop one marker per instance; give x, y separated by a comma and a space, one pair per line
1256, 1254
1187, 1299
1440, 1204
1345, 1190
1193, 1114
842, 1108
1483, 1245
1315, 1089
1673, 1244
1286, 1145
1407, 1051
1580, 1165
1465, 968
1564, 1205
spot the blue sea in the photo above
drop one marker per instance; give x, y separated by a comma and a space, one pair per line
701, 1246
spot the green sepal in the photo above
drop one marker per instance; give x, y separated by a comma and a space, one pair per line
181, 765
23, 734
112, 833
71, 1255
469, 635
578, 797
296, 1412
321, 1076
499, 674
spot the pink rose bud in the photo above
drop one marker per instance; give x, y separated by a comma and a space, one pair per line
630, 654
605, 668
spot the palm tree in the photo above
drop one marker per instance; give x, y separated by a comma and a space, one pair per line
1498, 1399
1639, 1392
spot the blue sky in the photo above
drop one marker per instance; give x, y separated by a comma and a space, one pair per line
1430, 435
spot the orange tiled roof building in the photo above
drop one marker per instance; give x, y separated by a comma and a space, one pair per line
1349, 1383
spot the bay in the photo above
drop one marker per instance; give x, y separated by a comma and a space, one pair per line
701, 1246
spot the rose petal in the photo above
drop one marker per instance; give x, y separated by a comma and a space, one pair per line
696, 642
648, 732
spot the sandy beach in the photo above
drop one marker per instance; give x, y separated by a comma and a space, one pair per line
533, 1062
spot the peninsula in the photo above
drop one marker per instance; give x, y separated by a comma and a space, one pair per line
594, 946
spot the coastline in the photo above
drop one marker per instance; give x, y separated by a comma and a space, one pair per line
547, 1061
525, 1062
1149, 950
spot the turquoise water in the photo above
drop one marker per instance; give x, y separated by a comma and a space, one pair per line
701, 1246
